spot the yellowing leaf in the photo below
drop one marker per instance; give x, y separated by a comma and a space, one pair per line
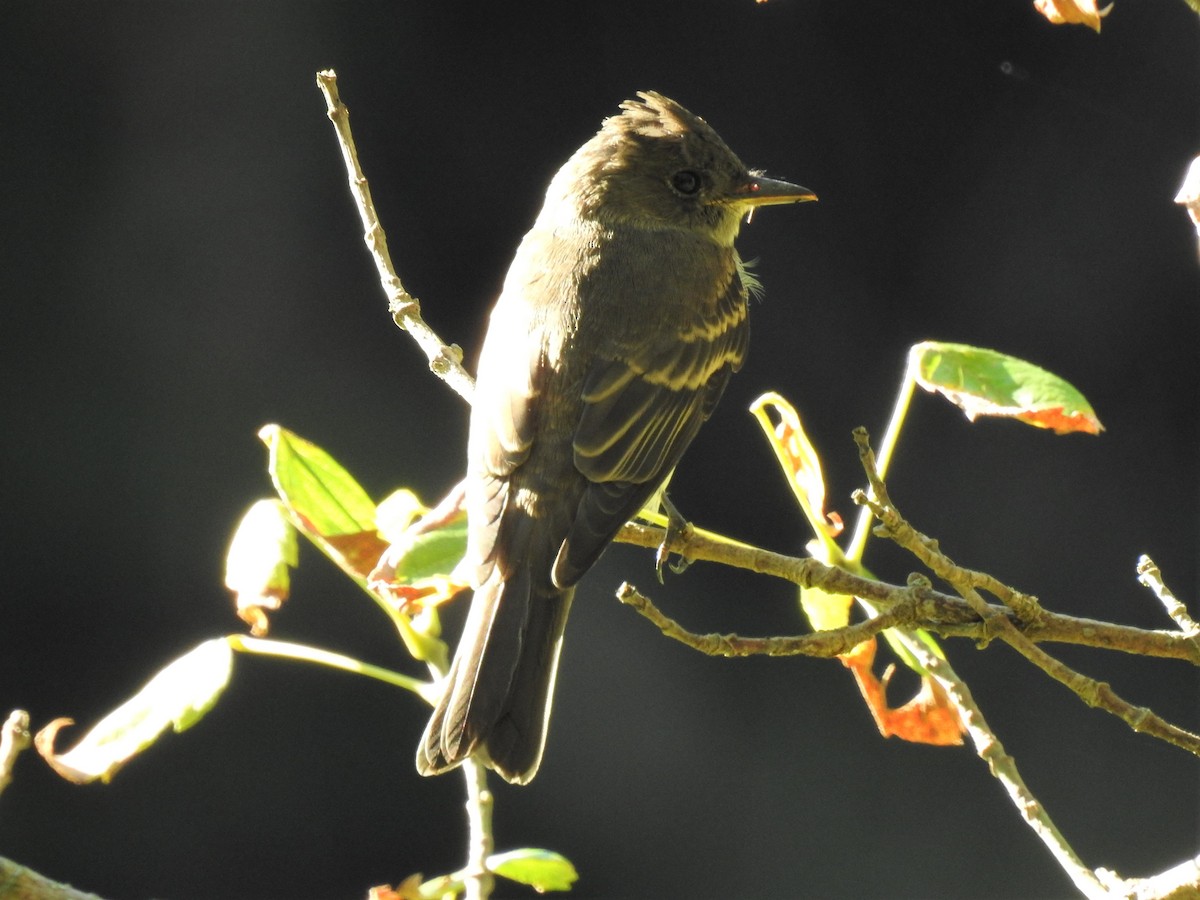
1073, 12
825, 610
800, 463
397, 512
984, 382
256, 566
177, 697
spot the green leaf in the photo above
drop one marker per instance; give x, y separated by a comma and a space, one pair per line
542, 870
984, 382
314, 486
324, 500
177, 697
433, 553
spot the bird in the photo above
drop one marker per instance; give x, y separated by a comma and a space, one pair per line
622, 316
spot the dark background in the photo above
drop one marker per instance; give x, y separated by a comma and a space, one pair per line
181, 263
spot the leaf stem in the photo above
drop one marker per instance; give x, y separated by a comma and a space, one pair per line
887, 447
305, 653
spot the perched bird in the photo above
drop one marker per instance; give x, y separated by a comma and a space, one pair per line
620, 321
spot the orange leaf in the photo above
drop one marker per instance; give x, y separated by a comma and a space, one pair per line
928, 718
1073, 12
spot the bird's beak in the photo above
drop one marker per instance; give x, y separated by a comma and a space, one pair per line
760, 191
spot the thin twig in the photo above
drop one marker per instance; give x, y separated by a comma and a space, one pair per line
445, 360
1151, 577
1094, 693
833, 642
941, 613
840, 640
477, 878
1004, 768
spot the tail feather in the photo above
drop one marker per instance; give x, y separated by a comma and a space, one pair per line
498, 691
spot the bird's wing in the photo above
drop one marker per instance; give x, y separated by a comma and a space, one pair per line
503, 422
641, 409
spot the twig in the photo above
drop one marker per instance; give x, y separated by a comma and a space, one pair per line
833, 642
445, 360
14, 737
1151, 577
942, 613
477, 878
1181, 882
840, 640
1004, 768
16, 882
1094, 693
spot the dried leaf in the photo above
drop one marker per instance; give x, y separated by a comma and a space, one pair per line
256, 566
177, 697
1073, 12
928, 718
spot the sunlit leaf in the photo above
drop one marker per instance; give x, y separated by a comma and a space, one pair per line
542, 870
984, 382
397, 512
825, 610
417, 572
177, 697
1189, 193
1073, 12
256, 566
928, 718
324, 500
798, 458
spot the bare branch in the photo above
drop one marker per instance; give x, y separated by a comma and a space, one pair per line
1094, 693
941, 613
445, 360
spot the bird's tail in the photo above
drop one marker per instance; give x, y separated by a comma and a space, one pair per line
498, 692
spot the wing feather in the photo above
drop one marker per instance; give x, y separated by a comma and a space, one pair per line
641, 410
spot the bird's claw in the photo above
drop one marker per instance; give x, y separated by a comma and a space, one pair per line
677, 527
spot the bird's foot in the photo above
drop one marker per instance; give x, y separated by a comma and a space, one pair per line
677, 528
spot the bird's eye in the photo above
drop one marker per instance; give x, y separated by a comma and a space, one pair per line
686, 182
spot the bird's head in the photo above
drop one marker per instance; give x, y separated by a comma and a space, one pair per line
656, 165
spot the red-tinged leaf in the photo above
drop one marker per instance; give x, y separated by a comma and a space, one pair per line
984, 382
408, 889
325, 501
256, 567
1073, 12
177, 697
357, 553
418, 570
928, 718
